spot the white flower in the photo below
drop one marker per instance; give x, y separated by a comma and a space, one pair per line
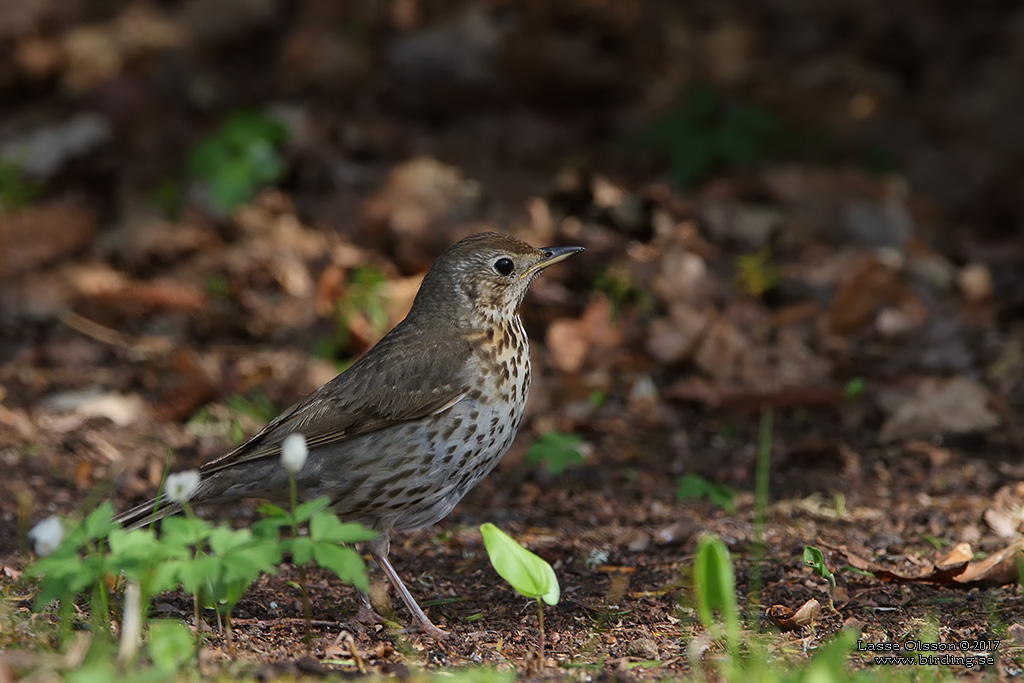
46, 536
293, 453
181, 486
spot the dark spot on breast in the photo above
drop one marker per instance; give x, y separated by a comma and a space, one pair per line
490, 334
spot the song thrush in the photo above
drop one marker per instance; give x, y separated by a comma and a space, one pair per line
399, 438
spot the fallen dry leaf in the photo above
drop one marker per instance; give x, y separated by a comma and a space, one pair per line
788, 619
121, 409
873, 283
40, 234
940, 406
954, 569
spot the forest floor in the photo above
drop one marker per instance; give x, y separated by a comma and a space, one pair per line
871, 306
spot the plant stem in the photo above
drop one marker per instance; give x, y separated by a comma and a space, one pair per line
540, 626
307, 609
764, 464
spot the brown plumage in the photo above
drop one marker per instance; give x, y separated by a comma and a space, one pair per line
399, 438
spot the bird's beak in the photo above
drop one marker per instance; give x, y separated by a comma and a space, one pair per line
552, 255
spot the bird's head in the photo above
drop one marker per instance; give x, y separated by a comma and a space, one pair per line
481, 280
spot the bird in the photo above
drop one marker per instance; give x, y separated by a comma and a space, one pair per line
397, 439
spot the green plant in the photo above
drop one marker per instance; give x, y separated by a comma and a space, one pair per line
854, 388
755, 275
238, 159
716, 591
529, 574
215, 564
619, 284
761, 481
556, 451
15, 191
695, 487
255, 404
365, 295
706, 134
815, 559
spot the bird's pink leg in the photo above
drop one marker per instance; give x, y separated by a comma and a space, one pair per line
423, 624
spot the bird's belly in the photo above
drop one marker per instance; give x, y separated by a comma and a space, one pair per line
467, 444
415, 472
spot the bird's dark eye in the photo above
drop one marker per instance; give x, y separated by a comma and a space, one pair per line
504, 266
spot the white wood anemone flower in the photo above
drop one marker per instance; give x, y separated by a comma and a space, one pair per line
46, 536
294, 452
181, 486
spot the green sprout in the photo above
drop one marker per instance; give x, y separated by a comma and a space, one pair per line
854, 388
238, 159
365, 295
15, 191
695, 487
716, 591
815, 559
755, 275
529, 574
704, 134
556, 451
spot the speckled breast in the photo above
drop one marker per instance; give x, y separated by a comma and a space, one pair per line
468, 440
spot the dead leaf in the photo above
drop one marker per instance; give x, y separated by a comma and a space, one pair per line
1006, 515
975, 280
140, 298
788, 619
121, 409
955, 569
569, 341
193, 387
940, 406
41, 234
873, 283
673, 339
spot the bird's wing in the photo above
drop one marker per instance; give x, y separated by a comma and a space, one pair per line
387, 386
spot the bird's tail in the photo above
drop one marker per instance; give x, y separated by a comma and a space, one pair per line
147, 513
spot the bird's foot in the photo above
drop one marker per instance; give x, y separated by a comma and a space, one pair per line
427, 629
367, 616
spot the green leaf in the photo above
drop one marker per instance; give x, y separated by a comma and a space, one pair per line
239, 158
556, 451
815, 559
225, 539
694, 487
170, 644
715, 586
306, 510
344, 562
185, 531
100, 522
529, 574
301, 548
195, 573
325, 526
854, 388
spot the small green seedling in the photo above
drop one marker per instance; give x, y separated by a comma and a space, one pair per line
716, 591
526, 572
854, 388
695, 487
239, 158
815, 559
16, 192
755, 274
556, 451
